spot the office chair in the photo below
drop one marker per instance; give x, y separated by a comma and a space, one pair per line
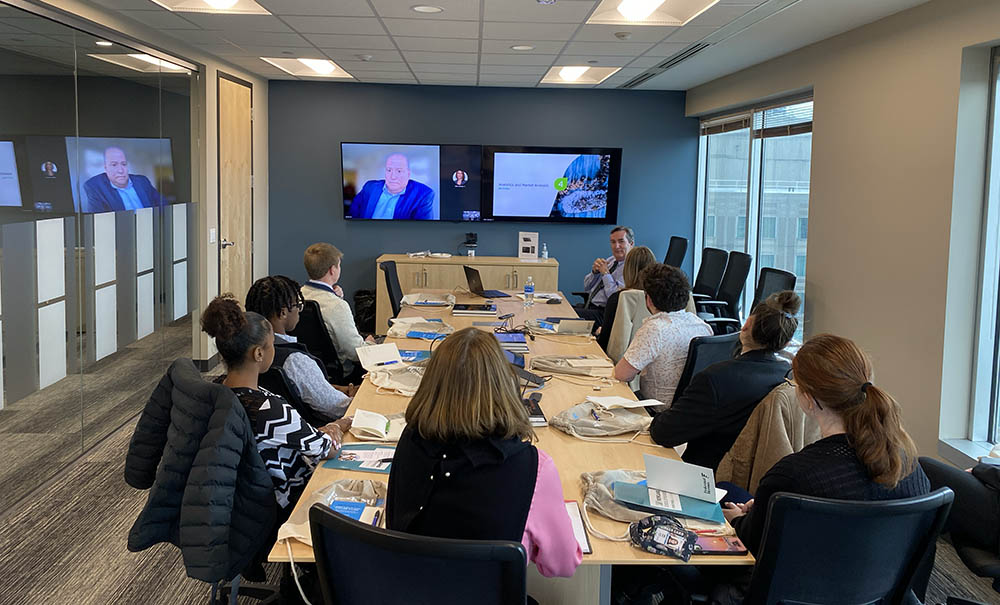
392, 286
713, 266
730, 294
676, 251
276, 381
818, 550
703, 351
771, 280
358, 563
312, 332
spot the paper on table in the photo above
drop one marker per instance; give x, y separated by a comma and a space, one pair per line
588, 362
680, 478
616, 401
375, 465
662, 499
359, 455
376, 356
579, 531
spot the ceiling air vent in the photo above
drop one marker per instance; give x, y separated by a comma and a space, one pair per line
684, 55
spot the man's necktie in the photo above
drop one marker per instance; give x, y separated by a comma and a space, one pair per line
600, 284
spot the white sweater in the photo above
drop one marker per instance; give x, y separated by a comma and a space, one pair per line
339, 322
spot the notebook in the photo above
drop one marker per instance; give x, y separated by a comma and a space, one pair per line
372, 426
474, 310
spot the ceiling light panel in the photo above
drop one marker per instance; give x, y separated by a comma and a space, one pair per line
141, 62
588, 75
648, 12
309, 68
239, 7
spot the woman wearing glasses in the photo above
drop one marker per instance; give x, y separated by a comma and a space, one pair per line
716, 404
864, 453
279, 300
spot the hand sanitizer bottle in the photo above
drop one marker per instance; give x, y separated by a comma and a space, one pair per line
545, 251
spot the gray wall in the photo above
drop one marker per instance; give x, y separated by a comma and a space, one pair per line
308, 121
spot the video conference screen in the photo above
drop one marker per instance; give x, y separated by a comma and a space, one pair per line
476, 183
63, 175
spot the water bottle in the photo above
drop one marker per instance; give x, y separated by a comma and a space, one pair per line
545, 251
529, 292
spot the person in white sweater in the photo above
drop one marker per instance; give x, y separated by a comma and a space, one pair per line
322, 263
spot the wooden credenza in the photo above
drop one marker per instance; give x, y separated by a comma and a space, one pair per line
423, 273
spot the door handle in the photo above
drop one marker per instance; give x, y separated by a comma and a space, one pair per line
425, 278
508, 280
226, 243
515, 279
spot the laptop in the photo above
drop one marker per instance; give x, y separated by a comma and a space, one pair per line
476, 284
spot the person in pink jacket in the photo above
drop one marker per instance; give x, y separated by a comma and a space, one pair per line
465, 466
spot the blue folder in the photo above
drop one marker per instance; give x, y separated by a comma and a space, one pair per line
636, 496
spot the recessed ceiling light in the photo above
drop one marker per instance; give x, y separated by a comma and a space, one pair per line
546, 1
522, 47
309, 68
426, 8
221, 4
637, 10
365, 57
320, 66
103, 43
572, 73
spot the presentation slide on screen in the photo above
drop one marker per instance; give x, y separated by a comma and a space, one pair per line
113, 174
540, 185
10, 188
399, 182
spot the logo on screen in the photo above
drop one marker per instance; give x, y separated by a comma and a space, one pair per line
561, 183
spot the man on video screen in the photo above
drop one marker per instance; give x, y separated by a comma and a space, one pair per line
395, 197
116, 189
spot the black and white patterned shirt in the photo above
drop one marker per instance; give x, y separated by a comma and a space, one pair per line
288, 444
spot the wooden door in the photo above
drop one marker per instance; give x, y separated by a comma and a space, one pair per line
495, 277
235, 117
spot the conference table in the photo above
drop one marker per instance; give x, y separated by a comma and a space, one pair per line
592, 581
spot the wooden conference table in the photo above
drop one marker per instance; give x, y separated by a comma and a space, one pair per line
572, 456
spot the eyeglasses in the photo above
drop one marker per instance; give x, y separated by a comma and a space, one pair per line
297, 307
790, 380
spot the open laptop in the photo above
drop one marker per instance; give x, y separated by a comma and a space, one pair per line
476, 284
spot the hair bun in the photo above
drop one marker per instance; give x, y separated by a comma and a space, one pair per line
223, 318
785, 301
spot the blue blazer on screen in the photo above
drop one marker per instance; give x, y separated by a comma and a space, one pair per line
416, 203
103, 197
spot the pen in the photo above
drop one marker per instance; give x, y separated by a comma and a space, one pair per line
596, 417
384, 460
375, 520
385, 363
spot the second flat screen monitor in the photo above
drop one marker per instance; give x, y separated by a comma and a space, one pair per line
411, 182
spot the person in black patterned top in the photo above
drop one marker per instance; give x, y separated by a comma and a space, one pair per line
286, 442
865, 453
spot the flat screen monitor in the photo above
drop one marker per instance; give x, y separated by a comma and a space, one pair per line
411, 182
551, 184
109, 174
10, 184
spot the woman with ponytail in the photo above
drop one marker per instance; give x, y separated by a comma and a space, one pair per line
864, 454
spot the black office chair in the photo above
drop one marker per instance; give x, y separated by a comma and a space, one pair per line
818, 550
676, 251
358, 563
713, 266
276, 381
769, 281
729, 297
312, 332
703, 351
392, 286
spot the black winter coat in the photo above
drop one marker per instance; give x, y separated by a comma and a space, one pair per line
209, 492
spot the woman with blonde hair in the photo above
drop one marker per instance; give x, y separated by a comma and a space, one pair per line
636, 260
465, 466
864, 454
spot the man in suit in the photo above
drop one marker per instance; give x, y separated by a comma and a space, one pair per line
115, 189
395, 197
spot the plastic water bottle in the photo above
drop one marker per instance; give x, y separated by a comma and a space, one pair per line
545, 251
529, 292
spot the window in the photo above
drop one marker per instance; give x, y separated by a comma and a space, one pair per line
769, 227
754, 167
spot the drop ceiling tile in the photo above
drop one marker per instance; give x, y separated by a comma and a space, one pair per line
242, 38
416, 56
331, 8
646, 62
198, 36
325, 41
638, 33
541, 47
125, 4
432, 28
690, 33
502, 79
238, 23
255, 50
456, 10
446, 77
506, 84
530, 11
607, 49
442, 68
521, 71
586, 60
390, 75
545, 60
386, 77
159, 19
528, 31
335, 25
428, 82
366, 66
377, 56
448, 45
226, 48
717, 16
667, 49
30, 40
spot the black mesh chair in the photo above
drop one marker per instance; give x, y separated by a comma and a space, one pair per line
713, 266
817, 550
729, 297
276, 381
358, 563
703, 351
392, 286
312, 332
676, 251
771, 280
